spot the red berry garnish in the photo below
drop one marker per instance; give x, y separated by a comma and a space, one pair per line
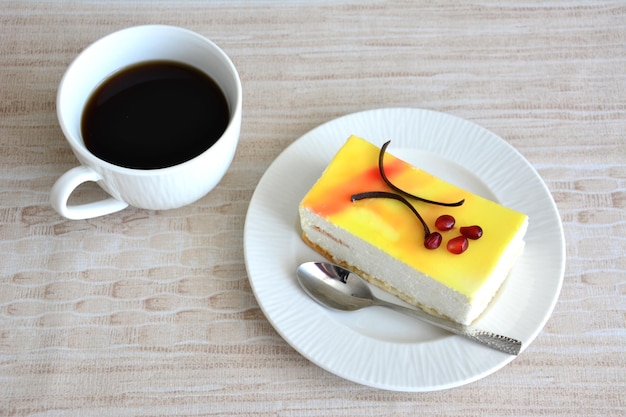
458, 245
472, 232
433, 240
444, 222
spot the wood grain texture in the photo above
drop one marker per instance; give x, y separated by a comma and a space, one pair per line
150, 313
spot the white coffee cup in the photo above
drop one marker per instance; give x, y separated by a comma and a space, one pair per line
155, 189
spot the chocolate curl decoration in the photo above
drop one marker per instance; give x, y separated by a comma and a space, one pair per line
381, 169
385, 194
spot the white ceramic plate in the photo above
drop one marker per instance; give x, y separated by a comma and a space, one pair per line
378, 347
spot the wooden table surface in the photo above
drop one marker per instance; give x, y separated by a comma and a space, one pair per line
150, 313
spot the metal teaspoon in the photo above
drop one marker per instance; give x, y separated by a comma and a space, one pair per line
338, 288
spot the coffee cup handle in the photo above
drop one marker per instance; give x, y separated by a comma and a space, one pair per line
65, 186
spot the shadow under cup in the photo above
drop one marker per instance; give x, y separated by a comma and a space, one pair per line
161, 188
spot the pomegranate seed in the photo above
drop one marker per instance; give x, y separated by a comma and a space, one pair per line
472, 232
433, 240
444, 222
458, 245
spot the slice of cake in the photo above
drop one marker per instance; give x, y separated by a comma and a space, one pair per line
364, 213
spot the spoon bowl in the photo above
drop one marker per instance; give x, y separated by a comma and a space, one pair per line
334, 287
338, 288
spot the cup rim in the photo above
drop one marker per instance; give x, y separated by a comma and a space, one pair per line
78, 146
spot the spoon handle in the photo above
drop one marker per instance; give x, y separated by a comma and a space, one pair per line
495, 341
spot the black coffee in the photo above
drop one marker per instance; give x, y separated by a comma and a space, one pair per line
154, 115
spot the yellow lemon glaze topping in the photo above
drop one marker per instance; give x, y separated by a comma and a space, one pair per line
390, 226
